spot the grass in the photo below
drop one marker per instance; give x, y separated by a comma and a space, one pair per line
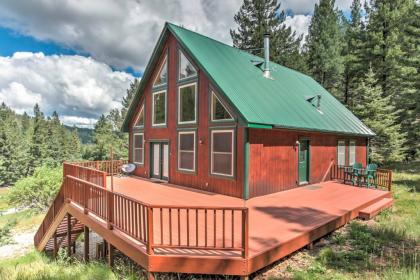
4, 205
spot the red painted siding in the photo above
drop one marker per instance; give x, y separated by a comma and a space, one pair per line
273, 163
201, 179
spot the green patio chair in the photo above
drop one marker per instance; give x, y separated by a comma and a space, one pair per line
353, 173
369, 175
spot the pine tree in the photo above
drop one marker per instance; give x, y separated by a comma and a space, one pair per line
55, 141
258, 17
324, 46
354, 54
378, 113
37, 150
126, 101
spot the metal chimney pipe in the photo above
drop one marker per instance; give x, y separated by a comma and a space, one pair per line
267, 55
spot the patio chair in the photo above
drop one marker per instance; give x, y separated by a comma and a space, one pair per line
353, 173
369, 175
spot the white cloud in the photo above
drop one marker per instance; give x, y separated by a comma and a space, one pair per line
299, 23
78, 121
74, 86
307, 6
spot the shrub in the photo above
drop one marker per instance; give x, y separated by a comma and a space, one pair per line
5, 233
37, 191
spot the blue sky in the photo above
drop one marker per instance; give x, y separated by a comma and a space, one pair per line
78, 57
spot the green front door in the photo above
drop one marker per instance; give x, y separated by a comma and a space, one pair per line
303, 161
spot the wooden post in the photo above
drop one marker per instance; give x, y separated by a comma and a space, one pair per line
310, 246
104, 249
245, 232
110, 199
389, 180
68, 235
110, 255
150, 275
86, 245
55, 249
112, 170
149, 230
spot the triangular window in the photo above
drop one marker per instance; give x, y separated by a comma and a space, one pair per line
162, 76
218, 110
186, 69
140, 118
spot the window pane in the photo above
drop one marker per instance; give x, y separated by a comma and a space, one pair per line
140, 120
222, 142
138, 141
186, 160
187, 103
341, 160
352, 153
138, 155
159, 108
186, 142
219, 111
162, 76
186, 69
222, 163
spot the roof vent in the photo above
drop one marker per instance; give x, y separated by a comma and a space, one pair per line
316, 98
267, 56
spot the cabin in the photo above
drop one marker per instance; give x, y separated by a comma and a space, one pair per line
239, 163
211, 117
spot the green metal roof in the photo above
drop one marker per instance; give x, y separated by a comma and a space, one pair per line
261, 102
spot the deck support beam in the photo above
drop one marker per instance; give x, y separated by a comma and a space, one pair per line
244, 277
55, 249
150, 276
68, 235
310, 246
86, 244
110, 255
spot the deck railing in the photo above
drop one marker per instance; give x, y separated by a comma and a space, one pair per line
85, 173
107, 166
383, 176
163, 226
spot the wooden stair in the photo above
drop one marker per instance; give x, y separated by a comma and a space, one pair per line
61, 233
375, 208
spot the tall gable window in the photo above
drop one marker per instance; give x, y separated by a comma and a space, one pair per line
187, 103
186, 69
162, 77
138, 148
222, 144
352, 152
186, 151
159, 108
341, 152
218, 110
140, 118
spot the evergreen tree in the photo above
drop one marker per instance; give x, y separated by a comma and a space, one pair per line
324, 46
378, 114
126, 101
258, 17
55, 141
354, 54
37, 150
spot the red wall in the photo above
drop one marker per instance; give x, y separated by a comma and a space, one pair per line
201, 179
273, 163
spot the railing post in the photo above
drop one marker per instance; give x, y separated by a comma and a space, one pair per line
149, 230
110, 199
245, 232
85, 198
389, 180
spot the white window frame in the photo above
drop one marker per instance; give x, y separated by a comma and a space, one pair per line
195, 103
138, 116
142, 148
160, 69
212, 108
343, 142
179, 150
212, 152
352, 156
153, 107
179, 67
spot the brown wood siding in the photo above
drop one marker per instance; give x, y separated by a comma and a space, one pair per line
201, 179
273, 163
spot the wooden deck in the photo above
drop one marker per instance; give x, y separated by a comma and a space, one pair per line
279, 223
169, 228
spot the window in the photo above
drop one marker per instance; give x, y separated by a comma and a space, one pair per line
218, 110
186, 69
341, 152
162, 76
187, 110
352, 152
222, 152
186, 151
140, 118
138, 148
159, 108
